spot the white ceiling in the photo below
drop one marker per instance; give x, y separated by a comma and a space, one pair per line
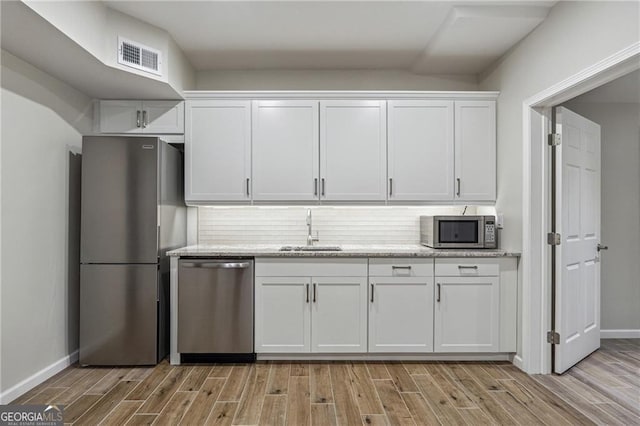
427, 37
625, 89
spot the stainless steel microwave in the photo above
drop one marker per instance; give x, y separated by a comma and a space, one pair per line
477, 232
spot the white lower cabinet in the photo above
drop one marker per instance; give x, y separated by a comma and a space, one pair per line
400, 314
322, 312
339, 314
400, 305
283, 315
385, 305
467, 314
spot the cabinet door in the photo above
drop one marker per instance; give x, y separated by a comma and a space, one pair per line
217, 151
467, 314
163, 117
400, 314
353, 150
283, 321
285, 150
475, 147
420, 150
339, 314
120, 116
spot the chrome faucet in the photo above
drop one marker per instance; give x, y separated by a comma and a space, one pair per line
310, 238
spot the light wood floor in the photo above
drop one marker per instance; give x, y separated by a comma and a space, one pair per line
603, 389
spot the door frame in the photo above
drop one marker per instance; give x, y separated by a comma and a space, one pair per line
536, 189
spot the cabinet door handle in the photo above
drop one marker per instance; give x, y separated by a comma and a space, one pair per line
438, 297
307, 285
314, 293
315, 187
144, 119
372, 292
248, 183
400, 267
138, 118
322, 184
467, 266
390, 187
458, 191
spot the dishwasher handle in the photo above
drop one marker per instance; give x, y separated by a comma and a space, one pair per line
216, 265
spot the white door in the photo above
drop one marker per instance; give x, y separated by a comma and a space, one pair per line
339, 314
467, 314
283, 314
475, 150
420, 150
120, 116
577, 292
353, 150
400, 314
163, 117
285, 150
217, 151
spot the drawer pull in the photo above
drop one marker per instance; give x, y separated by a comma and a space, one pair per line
467, 266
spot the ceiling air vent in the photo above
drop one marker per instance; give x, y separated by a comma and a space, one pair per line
139, 56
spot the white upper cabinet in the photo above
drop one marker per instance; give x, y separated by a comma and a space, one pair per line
119, 116
353, 150
163, 117
142, 117
421, 156
285, 150
218, 151
475, 150
414, 150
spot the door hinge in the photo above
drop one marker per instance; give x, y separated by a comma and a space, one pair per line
554, 139
553, 337
553, 239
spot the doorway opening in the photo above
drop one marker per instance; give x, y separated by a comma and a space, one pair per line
537, 253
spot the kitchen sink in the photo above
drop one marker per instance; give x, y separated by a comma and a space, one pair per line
310, 248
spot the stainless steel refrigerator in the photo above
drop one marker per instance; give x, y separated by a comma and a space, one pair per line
133, 212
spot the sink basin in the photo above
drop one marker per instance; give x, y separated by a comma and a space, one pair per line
310, 248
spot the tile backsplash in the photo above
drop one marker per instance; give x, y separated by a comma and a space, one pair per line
335, 224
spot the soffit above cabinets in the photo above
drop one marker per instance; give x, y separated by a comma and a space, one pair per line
29, 36
426, 37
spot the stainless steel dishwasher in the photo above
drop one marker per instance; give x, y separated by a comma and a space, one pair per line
215, 309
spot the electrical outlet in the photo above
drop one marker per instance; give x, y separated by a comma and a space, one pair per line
500, 221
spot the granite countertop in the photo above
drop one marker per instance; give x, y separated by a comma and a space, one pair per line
348, 250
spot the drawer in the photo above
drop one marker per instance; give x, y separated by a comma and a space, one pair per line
467, 267
400, 267
305, 267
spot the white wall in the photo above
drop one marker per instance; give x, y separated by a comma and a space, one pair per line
620, 266
42, 123
329, 80
574, 36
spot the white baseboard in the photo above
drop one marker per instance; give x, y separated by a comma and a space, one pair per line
517, 361
39, 377
620, 334
385, 357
